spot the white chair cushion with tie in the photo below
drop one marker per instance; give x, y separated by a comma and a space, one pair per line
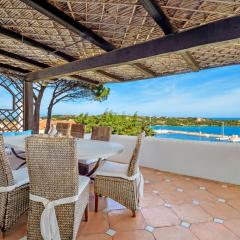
48, 224
20, 178
120, 170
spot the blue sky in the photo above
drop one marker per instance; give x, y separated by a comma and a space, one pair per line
208, 93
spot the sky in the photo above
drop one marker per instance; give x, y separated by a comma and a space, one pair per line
209, 93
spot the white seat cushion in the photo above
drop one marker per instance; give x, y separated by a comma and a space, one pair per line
113, 169
20, 176
87, 161
83, 182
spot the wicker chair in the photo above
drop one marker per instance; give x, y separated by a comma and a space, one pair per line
89, 166
101, 133
63, 128
14, 191
53, 174
121, 182
77, 130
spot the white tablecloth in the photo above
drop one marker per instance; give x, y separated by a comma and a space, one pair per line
86, 149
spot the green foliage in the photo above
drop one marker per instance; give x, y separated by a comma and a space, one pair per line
121, 124
192, 122
101, 93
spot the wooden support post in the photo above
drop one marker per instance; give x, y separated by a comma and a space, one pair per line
28, 106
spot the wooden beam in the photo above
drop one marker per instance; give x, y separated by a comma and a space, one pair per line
191, 62
222, 30
23, 59
28, 106
155, 11
60, 17
110, 75
12, 68
36, 44
146, 71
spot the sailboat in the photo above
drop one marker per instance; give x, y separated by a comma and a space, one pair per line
223, 137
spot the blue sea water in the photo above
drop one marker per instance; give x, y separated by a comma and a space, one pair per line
228, 130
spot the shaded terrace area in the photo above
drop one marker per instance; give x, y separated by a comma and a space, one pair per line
173, 207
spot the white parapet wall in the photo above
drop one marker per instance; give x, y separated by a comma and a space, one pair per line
211, 160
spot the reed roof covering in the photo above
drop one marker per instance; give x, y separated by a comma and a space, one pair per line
31, 39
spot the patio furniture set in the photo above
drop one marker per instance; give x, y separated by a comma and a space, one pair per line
50, 186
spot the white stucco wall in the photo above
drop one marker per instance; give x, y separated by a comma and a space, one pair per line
210, 160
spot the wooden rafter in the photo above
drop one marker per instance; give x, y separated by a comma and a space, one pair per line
222, 30
146, 71
12, 68
158, 15
30, 42
161, 19
86, 80
110, 76
23, 59
190, 61
38, 45
60, 17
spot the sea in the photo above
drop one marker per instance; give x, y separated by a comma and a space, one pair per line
228, 130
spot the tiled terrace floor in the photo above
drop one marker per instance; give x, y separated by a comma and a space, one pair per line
174, 207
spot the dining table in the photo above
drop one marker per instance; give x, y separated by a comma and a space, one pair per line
86, 148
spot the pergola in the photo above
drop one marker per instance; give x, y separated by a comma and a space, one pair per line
113, 41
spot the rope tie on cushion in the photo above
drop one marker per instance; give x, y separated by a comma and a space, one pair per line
48, 223
13, 187
8, 188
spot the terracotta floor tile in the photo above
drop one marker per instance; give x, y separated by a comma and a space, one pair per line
173, 233
160, 216
224, 193
233, 225
220, 210
186, 185
19, 230
151, 200
206, 183
97, 223
102, 203
202, 196
134, 235
192, 213
212, 231
160, 185
94, 237
174, 197
235, 203
122, 220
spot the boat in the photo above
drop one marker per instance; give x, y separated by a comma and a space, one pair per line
234, 138
161, 131
223, 137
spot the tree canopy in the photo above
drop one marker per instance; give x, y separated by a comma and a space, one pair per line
121, 124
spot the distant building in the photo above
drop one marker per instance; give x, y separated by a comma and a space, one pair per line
200, 119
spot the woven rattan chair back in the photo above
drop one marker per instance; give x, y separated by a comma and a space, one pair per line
101, 133
77, 130
53, 173
6, 177
63, 128
13, 203
134, 162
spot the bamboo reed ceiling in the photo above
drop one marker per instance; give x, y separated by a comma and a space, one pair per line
122, 23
